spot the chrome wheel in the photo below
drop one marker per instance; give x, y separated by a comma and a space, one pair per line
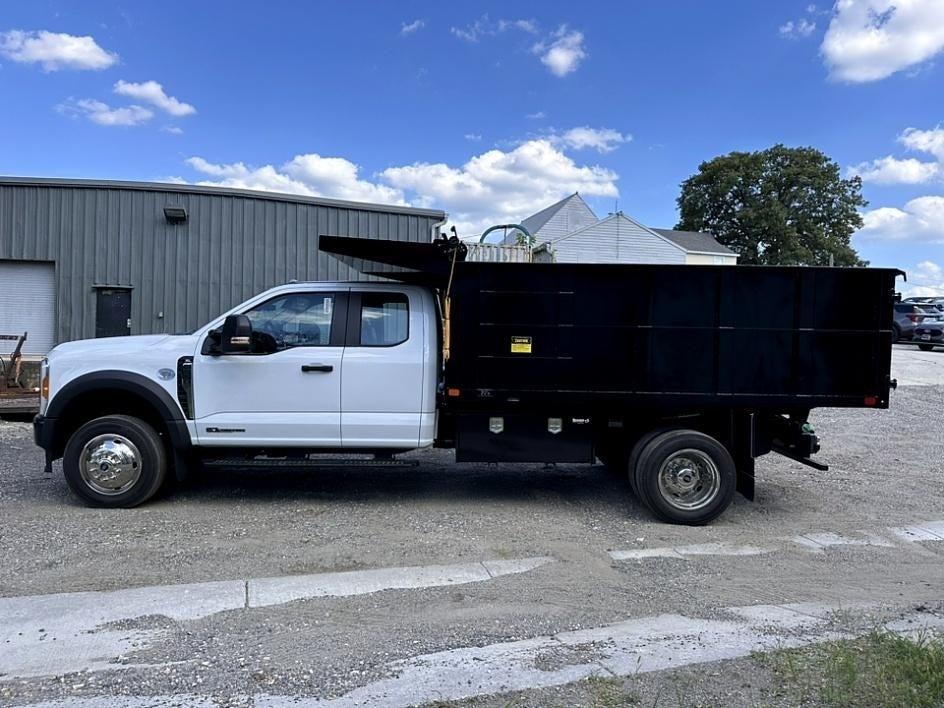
110, 464
689, 480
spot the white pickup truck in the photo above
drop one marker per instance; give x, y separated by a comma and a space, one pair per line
678, 377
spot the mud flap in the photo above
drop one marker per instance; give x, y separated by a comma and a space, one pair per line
744, 444
745, 478
182, 462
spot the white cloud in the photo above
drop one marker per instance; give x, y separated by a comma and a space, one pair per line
529, 26
103, 114
55, 51
925, 280
153, 93
868, 40
891, 170
475, 137
536, 116
929, 271
599, 139
309, 174
173, 130
493, 187
484, 27
929, 141
562, 52
411, 27
500, 187
921, 220
799, 29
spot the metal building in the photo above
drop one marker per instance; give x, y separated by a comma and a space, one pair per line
84, 258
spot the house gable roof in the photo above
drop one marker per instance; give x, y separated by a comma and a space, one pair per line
535, 222
617, 216
695, 242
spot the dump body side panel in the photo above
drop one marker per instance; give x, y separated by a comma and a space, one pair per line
775, 338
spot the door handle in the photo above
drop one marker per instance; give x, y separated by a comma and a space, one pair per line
317, 367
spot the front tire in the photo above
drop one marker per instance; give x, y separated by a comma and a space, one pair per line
685, 477
896, 333
115, 461
925, 347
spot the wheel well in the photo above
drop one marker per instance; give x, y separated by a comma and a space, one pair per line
104, 401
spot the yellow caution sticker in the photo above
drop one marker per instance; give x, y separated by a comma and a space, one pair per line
521, 345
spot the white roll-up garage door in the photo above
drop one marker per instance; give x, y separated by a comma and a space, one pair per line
28, 304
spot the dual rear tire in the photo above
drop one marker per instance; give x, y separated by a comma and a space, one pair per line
682, 476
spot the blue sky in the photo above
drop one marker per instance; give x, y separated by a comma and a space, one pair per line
489, 111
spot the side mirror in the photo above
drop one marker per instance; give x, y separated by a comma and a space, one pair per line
237, 335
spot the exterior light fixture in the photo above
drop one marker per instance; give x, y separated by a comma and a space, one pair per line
175, 214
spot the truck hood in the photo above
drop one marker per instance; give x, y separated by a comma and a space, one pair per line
108, 346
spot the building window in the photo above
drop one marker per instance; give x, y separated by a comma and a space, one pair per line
296, 319
385, 319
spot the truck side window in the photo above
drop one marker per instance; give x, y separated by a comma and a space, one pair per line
296, 319
385, 319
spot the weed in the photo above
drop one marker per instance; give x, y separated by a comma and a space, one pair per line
879, 670
608, 692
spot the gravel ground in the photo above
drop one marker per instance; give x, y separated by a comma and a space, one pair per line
887, 469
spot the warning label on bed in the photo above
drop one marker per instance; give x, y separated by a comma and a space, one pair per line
521, 345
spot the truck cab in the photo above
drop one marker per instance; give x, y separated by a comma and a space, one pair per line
303, 367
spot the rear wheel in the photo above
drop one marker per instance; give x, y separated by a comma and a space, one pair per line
925, 347
685, 477
632, 463
115, 461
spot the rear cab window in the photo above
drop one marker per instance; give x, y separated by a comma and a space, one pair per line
384, 319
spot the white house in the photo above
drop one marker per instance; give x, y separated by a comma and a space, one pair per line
569, 232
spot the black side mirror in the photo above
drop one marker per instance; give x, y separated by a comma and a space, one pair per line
237, 335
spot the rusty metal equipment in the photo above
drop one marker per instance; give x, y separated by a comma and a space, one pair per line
11, 369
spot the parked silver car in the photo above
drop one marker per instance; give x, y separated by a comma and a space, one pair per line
907, 316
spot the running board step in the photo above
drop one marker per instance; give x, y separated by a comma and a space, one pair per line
303, 463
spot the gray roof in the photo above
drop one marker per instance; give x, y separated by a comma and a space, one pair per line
534, 222
220, 191
695, 241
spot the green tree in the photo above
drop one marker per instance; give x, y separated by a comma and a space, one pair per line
780, 206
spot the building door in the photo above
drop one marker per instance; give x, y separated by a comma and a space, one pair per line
112, 312
28, 304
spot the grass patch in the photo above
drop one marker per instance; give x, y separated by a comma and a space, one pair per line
609, 692
879, 670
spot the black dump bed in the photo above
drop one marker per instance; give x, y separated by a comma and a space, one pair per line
777, 337
676, 336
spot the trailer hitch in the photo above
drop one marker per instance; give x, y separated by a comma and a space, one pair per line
781, 450
797, 440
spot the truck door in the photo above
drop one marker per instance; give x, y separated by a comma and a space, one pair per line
382, 391
290, 397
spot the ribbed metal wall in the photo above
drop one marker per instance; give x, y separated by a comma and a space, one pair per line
498, 253
233, 245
